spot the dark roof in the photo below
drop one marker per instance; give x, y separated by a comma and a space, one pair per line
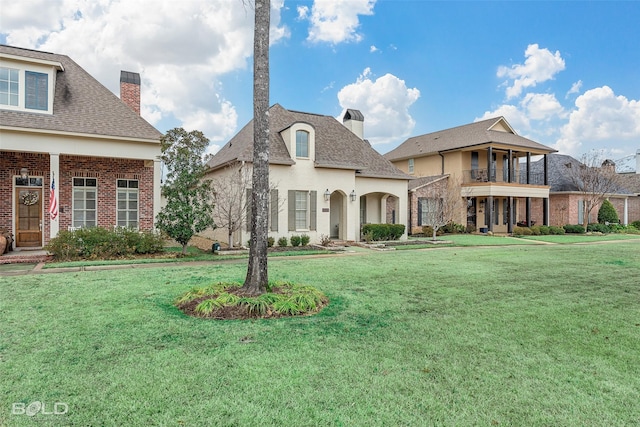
631, 182
81, 105
335, 146
353, 115
559, 175
465, 136
416, 183
129, 77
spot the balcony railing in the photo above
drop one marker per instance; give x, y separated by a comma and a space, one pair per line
501, 176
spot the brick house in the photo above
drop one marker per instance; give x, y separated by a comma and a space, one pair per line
567, 202
57, 123
630, 180
491, 162
326, 179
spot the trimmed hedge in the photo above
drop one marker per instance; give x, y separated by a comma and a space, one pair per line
573, 229
102, 243
379, 232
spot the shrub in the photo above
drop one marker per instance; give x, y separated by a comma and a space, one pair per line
270, 241
521, 231
636, 224
535, 230
295, 240
283, 242
556, 230
632, 230
304, 240
101, 243
325, 240
574, 229
545, 230
598, 228
607, 213
453, 228
383, 231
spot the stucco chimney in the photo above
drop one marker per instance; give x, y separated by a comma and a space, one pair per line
638, 161
609, 166
130, 89
354, 121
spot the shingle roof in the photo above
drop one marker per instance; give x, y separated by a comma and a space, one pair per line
456, 138
81, 105
416, 183
336, 146
631, 181
559, 178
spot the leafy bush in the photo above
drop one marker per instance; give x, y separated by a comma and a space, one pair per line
636, 224
101, 243
270, 241
545, 230
522, 231
283, 242
304, 240
453, 228
607, 213
295, 240
535, 230
632, 230
555, 230
598, 228
379, 232
574, 229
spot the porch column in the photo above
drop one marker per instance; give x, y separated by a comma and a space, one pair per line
490, 211
157, 176
545, 211
489, 164
54, 172
510, 212
528, 168
625, 214
528, 209
510, 170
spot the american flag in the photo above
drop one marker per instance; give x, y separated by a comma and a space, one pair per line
53, 203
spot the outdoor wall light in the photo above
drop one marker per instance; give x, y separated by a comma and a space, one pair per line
352, 195
327, 195
24, 173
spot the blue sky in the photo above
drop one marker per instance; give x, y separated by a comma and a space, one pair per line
566, 74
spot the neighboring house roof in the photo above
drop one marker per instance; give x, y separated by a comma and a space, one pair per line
81, 105
631, 182
474, 134
335, 146
423, 181
559, 175
627, 164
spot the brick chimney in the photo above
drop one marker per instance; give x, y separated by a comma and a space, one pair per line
130, 89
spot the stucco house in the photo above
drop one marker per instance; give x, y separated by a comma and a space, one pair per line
630, 181
59, 125
326, 180
492, 164
567, 201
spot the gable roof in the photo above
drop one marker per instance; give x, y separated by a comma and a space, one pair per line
81, 105
559, 177
335, 146
423, 181
491, 131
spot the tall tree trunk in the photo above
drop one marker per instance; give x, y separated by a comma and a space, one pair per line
257, 278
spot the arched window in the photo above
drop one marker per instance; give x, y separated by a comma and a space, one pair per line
302, 143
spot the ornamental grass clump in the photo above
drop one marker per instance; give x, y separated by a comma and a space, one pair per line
225, 301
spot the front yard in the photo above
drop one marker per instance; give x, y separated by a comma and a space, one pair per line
530, 335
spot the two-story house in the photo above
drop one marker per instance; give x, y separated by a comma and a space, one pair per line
72, 154
326, 179
492, 165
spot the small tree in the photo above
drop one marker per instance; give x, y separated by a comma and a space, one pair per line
189, 197
444, 205
231, 201
594, 179
607, 213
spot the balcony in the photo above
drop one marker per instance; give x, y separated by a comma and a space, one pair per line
501, 176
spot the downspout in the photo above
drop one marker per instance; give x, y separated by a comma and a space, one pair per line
442, 157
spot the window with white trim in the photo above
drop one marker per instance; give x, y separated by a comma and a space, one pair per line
302, 143
9, 86
36, 91
302, 215
411, 166
127, 203
85, 202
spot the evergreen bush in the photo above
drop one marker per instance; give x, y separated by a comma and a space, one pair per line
607, 213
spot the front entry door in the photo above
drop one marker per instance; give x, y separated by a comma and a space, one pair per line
29, 217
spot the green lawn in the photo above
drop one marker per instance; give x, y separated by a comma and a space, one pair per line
524, 335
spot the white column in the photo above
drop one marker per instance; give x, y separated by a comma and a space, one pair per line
54, 172
625, 220
157, 177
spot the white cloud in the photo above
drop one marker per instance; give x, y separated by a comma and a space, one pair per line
373, 49
575, 88
181, 49
601, 120
336, 21
384, 102
541, 106
514, 115
539, 66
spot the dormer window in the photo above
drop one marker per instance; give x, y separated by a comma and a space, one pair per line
36, 91
8, 86
302, 143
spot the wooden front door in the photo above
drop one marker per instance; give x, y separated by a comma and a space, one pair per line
28, 217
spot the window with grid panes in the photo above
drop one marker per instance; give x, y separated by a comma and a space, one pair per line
85, 202
127, 203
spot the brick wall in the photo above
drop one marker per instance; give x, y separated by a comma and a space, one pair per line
130, 95
106, 171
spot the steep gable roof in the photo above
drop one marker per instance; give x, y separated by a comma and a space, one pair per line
335, 146
81, 105
491, 131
